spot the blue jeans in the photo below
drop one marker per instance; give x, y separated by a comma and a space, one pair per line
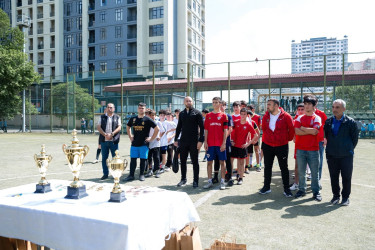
311, 158
321, 153
106, 146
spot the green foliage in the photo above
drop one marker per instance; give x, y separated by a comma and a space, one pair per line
356, 97
83, 101
16, 73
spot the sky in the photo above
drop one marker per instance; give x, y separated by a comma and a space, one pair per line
242, 30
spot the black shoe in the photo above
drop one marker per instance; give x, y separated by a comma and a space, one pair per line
317, 197
215, 180
345, 202
288, 193
335, 200
129, 178
240, 181
195, 184
265, 190
230, 183
104, 177
299, 194
149, 174
142, 177
182, 183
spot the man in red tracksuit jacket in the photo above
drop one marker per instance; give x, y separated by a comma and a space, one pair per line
278, 130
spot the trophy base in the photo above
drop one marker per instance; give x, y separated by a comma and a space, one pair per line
117, 197
41, 189
76, 193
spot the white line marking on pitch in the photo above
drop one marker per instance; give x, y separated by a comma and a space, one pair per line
203, 199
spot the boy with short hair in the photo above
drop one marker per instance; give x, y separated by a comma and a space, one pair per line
243, 135
154, 148
215, 136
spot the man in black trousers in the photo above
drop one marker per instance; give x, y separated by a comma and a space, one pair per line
190, 124
341, 133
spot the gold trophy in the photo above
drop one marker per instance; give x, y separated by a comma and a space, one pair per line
75, 154
42, 160
116, 166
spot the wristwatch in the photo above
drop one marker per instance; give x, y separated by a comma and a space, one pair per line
112, 134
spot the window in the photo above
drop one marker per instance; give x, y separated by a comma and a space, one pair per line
194, 54
118, 1
118, 14
199, 9
118, 48
79, 55
118, 31
103, 50
157, 12
68, 24
157, 63
195, 37
118, 65
154, 1
68, 9
156, 30
194, 5
156, 48
194, 22
68, 41
199, 56
79, 38
199, 25
79, 7
68, 69
102, 16
68, 56
103, 33
103, 2
103, 67
79, 23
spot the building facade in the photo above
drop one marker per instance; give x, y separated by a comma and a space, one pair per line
307, 56
5, 5
367, 64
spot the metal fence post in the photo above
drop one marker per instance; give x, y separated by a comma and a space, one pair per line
51, 106
122, 101
67, 103
74, 101
153, 87
228, 105
269, 79
93, 100
188, 79
325, 83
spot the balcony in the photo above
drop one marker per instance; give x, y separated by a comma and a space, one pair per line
91, 23
40, 1
92, 57
30, 2
40, 46
132, 53
52, 14
40, 31
52, 45
52, 60
132, 35
40, 15
132, 71
189, 5
132, 18
92, 6
92, 40
30, 31
52, 29
19, 3
31, 47
132, 1
40, 62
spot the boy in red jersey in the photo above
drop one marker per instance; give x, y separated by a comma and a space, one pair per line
240, 141
215, 136
307, 129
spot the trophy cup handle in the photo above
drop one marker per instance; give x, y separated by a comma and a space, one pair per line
64, 149
50, 158
125, 163
86, 149
35, 158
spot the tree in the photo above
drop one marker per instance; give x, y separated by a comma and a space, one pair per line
16, 72
83, 101
356, 97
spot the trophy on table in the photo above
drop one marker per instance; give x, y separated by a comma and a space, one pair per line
75, 154
42, 160
116, 166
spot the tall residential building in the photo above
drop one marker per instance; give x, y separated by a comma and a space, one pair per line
44, 36
5, 5
367, 64
308, 55
108, 35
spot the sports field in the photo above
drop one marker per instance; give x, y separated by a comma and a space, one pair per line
269, 221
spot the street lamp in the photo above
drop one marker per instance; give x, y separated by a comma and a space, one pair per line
24, 22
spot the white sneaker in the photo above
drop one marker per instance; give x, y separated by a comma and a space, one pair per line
96, 161
208, 185
222, 185
294, 187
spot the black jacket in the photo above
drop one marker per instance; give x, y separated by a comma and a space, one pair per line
188, 124
346, 140
115, 119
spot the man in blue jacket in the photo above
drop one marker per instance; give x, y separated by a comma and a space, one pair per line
342, 136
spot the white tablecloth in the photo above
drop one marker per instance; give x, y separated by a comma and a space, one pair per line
140, 222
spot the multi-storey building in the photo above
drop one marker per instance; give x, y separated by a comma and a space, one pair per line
105, 36
5, 5
43, 37
308, 55
367, 64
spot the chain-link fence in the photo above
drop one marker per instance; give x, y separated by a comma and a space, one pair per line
63, 100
